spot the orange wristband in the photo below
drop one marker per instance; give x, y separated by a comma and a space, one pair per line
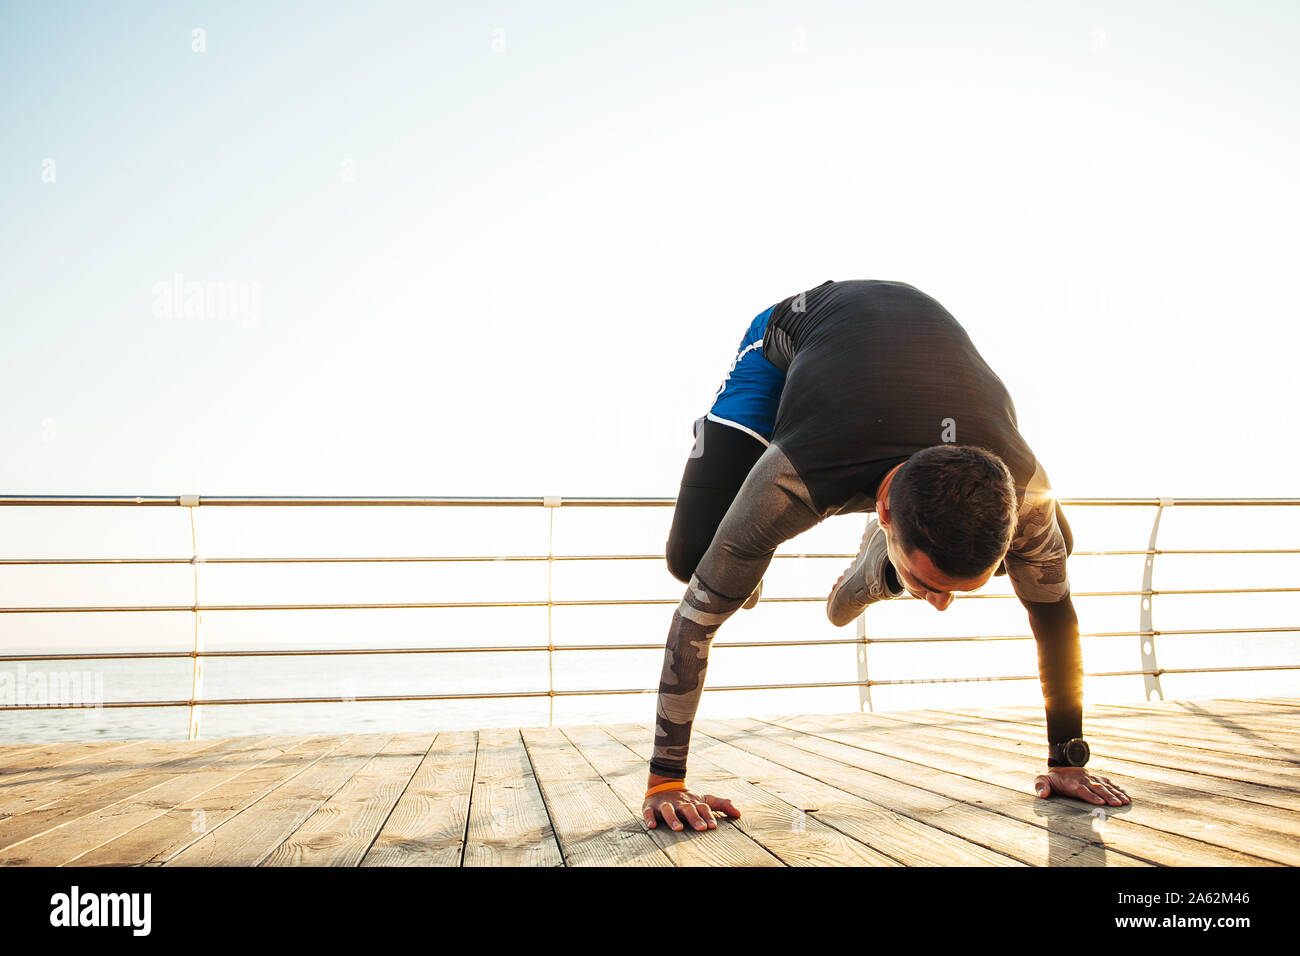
671, 785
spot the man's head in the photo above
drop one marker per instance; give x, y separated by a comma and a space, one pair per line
949, 513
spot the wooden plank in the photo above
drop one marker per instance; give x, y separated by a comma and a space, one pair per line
625, 773
164, 836
508, 824
38, 781
86, 795
1221, 726
1002, 838
1223, 821
1191, 729
41, 786
1250, 743
1169, 764
1182, 731
1289, 704
1125, 842
795, 837
1276, 723
11, 749
892, 823
31, 759
342, 829
65, 844
1224, 734
1217, 729
1264, 708
1274, 774
249, 837
427, 825
592, 825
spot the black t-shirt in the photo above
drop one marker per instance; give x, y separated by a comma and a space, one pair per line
876, 371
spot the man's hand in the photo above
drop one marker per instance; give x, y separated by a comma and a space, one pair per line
695, 809
1080, 783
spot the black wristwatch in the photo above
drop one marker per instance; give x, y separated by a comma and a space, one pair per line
1068, 753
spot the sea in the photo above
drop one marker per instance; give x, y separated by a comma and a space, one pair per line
603, 573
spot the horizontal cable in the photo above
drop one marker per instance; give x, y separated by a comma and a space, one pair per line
350, 501
543, 648
606, 602
337, 501
509, 558
382, 698
363, 651
380, 559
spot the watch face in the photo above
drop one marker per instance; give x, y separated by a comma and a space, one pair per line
1076, 752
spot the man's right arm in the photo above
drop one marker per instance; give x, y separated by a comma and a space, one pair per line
681, 683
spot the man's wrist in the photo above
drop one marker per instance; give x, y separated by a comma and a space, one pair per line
1068, 753
666, 769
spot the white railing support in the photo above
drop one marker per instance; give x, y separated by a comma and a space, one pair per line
1147, 637
191, 502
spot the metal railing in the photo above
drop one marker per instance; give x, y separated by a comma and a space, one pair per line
1150, 670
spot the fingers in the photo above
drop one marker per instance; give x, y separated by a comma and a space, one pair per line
1113, 793
683, 809
1091, 788
1105, 793
1119, 791
678, 816
1103, 790
1096, 792
706, 813
1084, 792
721, 804
692, 816
669, 815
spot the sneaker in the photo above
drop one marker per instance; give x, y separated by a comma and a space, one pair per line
863, 582
753, 598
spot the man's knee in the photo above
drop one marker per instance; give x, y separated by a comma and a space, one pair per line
683, 555
706, 607
695, 521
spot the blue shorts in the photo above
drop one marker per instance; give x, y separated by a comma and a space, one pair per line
751, 390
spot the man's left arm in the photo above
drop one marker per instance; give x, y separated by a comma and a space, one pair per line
1036, 565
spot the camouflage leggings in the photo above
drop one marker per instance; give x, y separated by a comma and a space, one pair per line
771, 506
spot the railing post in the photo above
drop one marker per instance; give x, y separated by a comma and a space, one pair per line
1147, 648
550, 502
196, 686
864, 677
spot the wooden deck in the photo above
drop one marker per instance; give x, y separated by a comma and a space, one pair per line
1213, 783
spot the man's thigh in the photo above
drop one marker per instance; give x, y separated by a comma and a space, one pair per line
719, 463
729, 439
772, 506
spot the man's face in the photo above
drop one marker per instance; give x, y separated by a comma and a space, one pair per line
926, 582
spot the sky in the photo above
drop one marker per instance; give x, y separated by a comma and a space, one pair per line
510, 249
503, 249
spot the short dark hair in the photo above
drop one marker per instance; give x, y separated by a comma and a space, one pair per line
957, 504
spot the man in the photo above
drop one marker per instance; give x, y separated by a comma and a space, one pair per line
865, 396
